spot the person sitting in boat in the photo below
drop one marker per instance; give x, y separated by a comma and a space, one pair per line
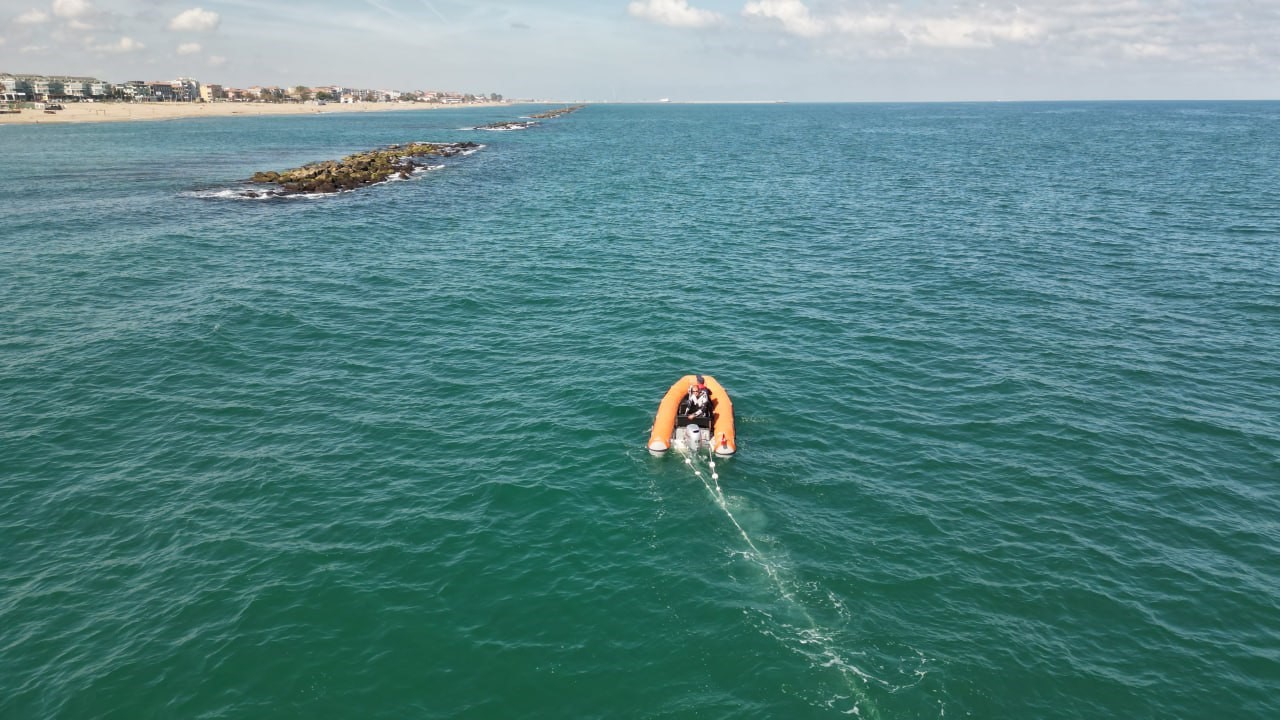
696, 408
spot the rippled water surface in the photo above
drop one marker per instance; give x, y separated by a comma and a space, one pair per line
1006, 376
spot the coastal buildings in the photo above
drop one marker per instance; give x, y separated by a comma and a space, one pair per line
209, 93
53, 87
17, 87
9, 93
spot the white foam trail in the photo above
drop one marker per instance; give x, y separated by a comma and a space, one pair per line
810, 635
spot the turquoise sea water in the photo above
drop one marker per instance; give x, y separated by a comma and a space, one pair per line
1007, 379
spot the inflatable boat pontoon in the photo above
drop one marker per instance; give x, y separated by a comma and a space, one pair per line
672, 428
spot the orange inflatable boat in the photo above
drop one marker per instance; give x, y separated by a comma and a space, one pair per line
677, 424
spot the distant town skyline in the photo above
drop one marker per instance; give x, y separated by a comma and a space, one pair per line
638, 50
39, 87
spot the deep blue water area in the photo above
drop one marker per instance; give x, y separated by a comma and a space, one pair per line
1006, 376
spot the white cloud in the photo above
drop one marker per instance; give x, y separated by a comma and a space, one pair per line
676, 13
195, 20
970, 32
979, 27
1147, 50
793, 15
70, 8
1030, 38
957, 33
730, 49
32, 17
866, 24
123, 45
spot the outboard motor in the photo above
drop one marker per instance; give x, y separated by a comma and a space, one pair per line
695, 436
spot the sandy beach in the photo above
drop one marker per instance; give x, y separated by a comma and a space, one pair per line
121, 111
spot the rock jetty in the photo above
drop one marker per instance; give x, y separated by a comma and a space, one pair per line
525, 124
354, 171
509, 125
557, 112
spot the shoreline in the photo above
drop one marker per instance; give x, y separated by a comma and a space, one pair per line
134, 112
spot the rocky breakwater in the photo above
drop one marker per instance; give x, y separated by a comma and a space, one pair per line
354, 171
557, 112
509, 125
532, 121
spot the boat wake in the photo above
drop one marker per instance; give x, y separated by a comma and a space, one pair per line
805, 636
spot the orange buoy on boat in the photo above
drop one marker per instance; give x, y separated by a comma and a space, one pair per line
695, 413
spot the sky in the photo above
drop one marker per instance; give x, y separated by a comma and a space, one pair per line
682, 50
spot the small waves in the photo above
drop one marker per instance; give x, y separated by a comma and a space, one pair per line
1006, 395
789, 619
